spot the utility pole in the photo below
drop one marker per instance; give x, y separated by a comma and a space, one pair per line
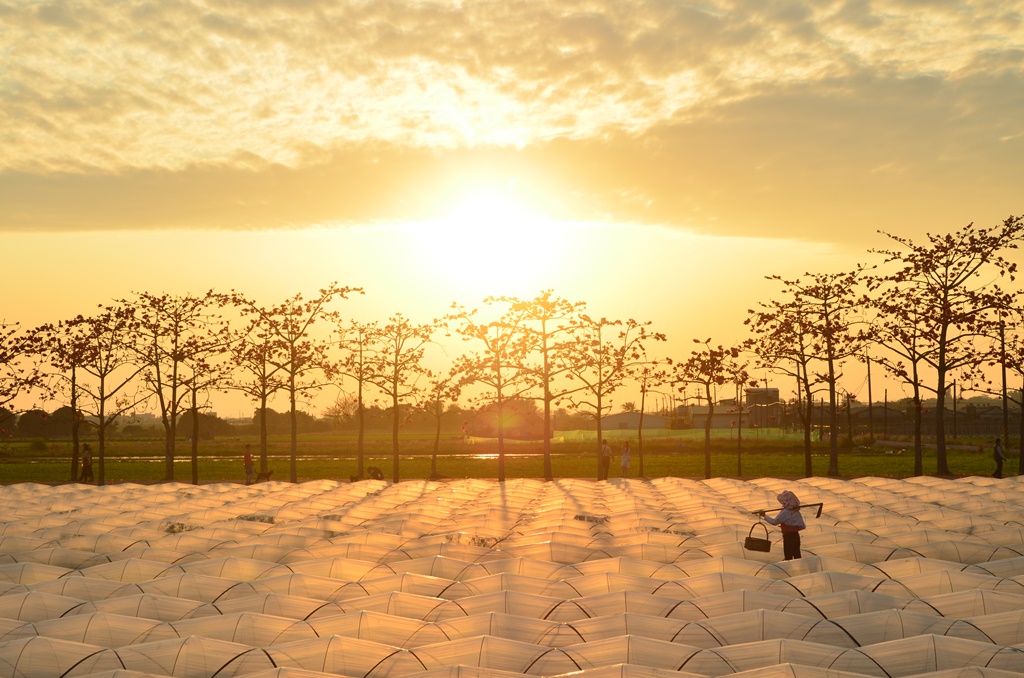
1006, 401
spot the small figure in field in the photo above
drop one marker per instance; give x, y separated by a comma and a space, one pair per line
605, 462
247, 462
790, 521
624, 459
999, 457
86, 464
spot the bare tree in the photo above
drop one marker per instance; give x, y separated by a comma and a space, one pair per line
442, 391
551, 320
901, 329
599, 361
955, 280
501, 363
256, 375
831, 315
356, 340
395, 368
784, 343
68, 347
112, 363
710, 367
166, 327
20, 369
207, 370
300, 358
650, 375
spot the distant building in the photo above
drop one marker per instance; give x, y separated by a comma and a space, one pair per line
724, 416
764, 407
631, 421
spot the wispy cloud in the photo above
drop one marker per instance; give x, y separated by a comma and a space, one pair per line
176, 113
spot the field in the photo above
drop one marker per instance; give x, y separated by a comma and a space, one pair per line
760, 453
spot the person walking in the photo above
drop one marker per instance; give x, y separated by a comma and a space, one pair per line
247, 463
86, 464
624, 459
790, 522
605, 461
999, 457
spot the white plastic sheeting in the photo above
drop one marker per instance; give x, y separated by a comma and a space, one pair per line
918, 578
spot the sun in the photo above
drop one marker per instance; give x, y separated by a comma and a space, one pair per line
490, 243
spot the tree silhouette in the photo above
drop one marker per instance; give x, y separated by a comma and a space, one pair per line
442, 391
900, 326
208, 369
709, 367
784, 344
550, 320
598, 364
955, 281
355, 340
293, 350
395, 367
501, 363
830, 310
68, 347
256, 375
112, 363
167, 345
649, 375
20, 370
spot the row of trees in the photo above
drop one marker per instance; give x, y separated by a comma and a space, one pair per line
925, 312
170, 354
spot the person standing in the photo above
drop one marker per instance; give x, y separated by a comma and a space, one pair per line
86, 464
624, 459
790, 522
247, 463
999, 457
605, 461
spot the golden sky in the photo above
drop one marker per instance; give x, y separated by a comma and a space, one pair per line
654, 159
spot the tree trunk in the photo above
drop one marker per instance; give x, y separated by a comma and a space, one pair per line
263, 433
640, 434
918, 447
170, 431
833, 423
707, 432
75, 424
101, 443
1020, 440
501, 439
941, 462
195, 438
807, 419
395, 475
293, 449
101, 453
361, 423
739, 439
600, 434
548, 473
437, 443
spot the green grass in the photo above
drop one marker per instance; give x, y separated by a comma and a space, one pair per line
667, 453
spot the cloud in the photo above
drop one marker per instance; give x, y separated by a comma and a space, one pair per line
714, 115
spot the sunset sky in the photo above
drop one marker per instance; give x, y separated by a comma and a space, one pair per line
654, 159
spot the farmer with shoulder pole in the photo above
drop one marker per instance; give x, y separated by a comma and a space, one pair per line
789, 520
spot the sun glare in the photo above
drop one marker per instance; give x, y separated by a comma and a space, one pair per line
489, 243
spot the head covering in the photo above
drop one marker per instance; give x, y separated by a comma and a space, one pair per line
788, 500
